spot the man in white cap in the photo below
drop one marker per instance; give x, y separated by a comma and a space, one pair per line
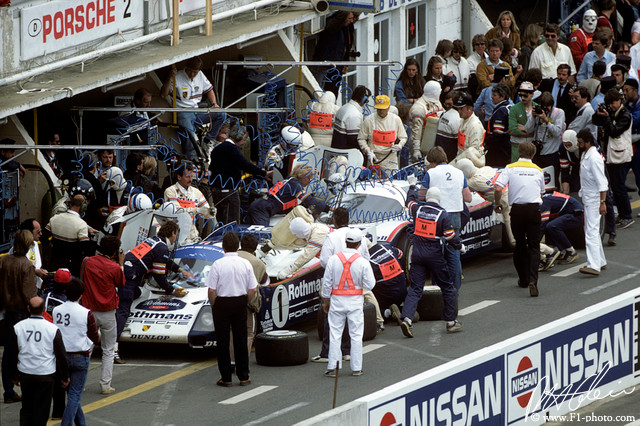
432, 230
427, 106
311, 236
382, 136
346, 276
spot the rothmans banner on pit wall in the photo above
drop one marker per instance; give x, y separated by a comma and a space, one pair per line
589, 356
53, 26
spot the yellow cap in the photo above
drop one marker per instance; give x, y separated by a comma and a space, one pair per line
382, 102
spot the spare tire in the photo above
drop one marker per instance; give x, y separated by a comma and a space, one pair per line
431, 304
370, 323
282, 348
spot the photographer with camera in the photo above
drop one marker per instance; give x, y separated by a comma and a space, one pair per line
547, 124
616, 122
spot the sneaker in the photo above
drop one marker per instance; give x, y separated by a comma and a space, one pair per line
407, 329
395, 313
590, 271
612, 240
330, 373
107, 391
319, 358
625, 223
379, 329
541, 266
245, 382
454, 326
533, 290
357, 373
14, 398
117, 359
548, 263
346, 357
569, 258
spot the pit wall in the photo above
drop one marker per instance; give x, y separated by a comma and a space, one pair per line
552, 370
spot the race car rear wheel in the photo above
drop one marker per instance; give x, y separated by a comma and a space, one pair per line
431, 304
370, 323
281, 348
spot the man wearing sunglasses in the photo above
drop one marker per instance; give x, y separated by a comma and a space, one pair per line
549, 55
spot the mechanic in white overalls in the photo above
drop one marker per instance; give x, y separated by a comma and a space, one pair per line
321, 114
427, 106
382, 136
346, 275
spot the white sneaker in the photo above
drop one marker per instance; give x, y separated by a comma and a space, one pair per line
346, 357
107, 391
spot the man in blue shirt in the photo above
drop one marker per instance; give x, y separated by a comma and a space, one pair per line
599, 43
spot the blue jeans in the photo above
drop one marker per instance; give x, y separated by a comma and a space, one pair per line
452, 256
189, 120
78, 370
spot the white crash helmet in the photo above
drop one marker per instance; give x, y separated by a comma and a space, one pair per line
291, 135
589, 21
327, 98
432, 90
116, 179
139, 202
570, 137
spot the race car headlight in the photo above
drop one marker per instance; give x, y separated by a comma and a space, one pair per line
204, 322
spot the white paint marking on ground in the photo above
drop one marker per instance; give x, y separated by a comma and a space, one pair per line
163, 403
636, 423
277, 413
421, 352
246, 395
470, 309
372, 347
184, 364
570, 271
611, 283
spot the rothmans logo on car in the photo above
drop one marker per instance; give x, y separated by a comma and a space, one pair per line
146, 327
161, 305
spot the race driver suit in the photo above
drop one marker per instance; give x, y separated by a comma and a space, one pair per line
558, 214
432, 230
152, 255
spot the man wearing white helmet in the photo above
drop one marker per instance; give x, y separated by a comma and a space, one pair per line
348, 120
580, 39
281, 155
427, 106
321, 113
346, 276
116, 191
311, 236
382, 136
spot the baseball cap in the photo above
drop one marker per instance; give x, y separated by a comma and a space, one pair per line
463, 100
607, 83
62, 276
526, 86
624, 60
382, 102
353, 235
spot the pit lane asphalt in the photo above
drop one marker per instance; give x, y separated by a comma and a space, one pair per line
168, 385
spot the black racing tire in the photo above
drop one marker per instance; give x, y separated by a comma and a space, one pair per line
431, 304
370, 322
405, 243
280, 348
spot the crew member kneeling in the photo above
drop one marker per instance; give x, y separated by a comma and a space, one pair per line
346, 275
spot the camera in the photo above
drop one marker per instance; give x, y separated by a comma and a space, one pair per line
537, 109
604, 108
354, 54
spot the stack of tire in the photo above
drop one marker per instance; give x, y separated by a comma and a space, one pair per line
282, 348
431, 305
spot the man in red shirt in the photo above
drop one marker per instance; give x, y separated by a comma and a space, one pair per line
101, 274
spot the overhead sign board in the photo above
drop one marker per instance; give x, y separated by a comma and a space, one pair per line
53, 26
370, 6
